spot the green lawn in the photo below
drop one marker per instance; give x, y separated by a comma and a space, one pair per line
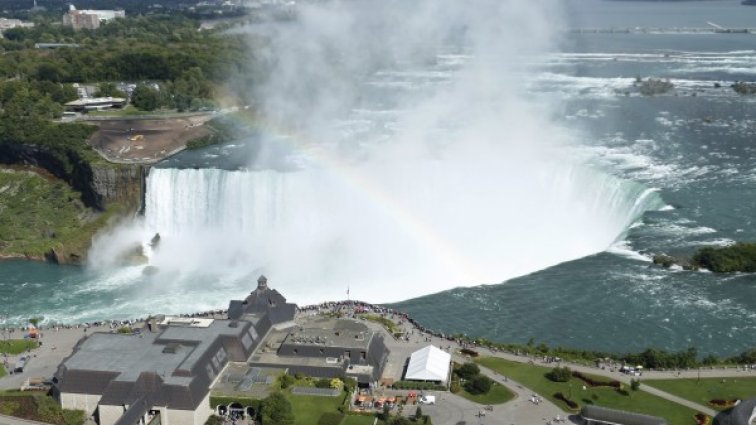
17, 346
359, 420
307, 409
497, 395
707, 388
2, 371
533, 378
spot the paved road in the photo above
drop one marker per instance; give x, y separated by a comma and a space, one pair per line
418, 339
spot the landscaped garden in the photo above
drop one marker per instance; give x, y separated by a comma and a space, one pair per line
468, 382
535, 378
38, 407
706, 390
17, 346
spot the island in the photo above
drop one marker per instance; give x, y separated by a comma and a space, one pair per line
740, 257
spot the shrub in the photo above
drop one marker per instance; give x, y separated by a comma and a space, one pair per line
634, 384
478, 385
74, 417
8, 407
323, 383
560, 374
330, 418
467, 371
594, 382
744, 88
455, 387
652, 86
418, 413
287, 380
413, 385
214, 420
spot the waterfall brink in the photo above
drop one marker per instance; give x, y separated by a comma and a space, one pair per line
389, 232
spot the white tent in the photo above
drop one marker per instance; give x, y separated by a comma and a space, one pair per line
429, 364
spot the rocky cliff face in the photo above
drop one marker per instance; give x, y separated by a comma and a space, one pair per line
113, 189
98, 184
123, 184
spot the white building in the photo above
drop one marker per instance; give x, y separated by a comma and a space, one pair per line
90, 19
429, 364
6, 24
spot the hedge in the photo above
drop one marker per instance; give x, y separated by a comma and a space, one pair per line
412, 385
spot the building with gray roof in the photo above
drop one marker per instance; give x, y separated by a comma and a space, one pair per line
744, 413
326, 348
263, 300
597, 415
166, 371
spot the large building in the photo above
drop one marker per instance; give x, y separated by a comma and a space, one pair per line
429, 364
90, 19
326, 348
744, 413
167, 370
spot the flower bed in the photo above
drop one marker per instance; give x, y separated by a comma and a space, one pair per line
571, 404
722, 404
702, 419
594, 383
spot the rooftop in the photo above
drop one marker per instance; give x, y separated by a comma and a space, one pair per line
328, 332
175, 348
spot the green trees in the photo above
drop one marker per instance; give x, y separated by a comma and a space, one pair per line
145, 97
740, 257
480, 384
276, 410
109, 90
467, 370
560, 374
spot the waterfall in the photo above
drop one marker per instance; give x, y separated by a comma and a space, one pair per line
388, 231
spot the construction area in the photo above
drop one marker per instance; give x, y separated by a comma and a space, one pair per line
145, 140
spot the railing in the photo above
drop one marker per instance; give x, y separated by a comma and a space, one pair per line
155, 420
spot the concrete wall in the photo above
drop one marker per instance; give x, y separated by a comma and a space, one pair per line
85, 402
110, 414
188, 417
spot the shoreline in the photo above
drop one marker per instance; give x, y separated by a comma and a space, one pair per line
352, 309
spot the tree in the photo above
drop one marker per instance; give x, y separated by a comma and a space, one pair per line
145, 98
385, 413
276, 410
634, 384
35, 321
287, 380
109, 90
400, 420
480, 384
560, 374
468, 371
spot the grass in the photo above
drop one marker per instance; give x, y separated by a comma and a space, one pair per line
2, 371
308, 409
707, 388
39, 213
387, 323
359, 420
533, 377
17, 346
497, 395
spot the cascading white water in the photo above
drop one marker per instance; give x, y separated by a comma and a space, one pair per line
388, 232
421, 163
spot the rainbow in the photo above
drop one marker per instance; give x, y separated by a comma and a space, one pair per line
389, 205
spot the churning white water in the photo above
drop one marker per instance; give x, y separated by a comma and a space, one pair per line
421, 163
391, 231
